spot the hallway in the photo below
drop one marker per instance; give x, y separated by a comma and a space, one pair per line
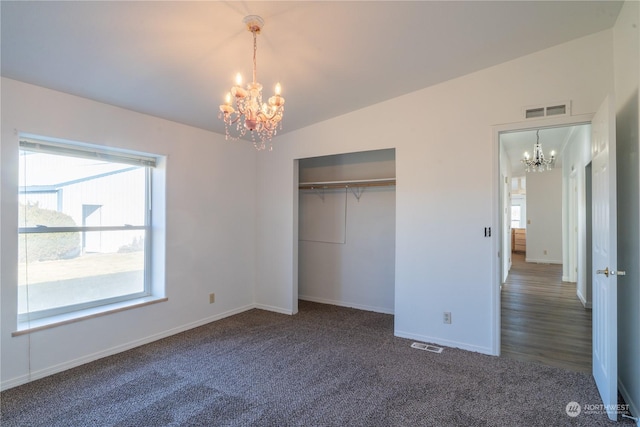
542, 318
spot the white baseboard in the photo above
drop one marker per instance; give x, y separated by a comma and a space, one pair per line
346, 304
543, 261
583, 300
443, 342
274, 309
35, 375
633, 408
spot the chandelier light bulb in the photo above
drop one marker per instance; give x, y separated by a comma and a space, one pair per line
278, 89
238, 79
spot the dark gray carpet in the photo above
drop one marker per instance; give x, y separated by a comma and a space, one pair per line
326, 366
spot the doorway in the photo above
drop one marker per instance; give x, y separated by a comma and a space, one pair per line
346, 230
544, 301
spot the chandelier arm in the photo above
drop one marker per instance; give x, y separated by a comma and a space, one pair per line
240, 108
239, 112
269, 126
264, 117
234, 121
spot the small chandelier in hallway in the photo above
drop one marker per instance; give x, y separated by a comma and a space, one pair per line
250, 113
538, 163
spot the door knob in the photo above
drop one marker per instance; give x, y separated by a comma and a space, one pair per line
606, 272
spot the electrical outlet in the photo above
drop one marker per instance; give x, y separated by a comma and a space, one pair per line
212, 298
447, 317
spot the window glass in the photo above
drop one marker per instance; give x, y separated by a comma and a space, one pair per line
83, 228
515, 216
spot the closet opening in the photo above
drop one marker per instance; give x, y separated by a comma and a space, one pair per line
346, 230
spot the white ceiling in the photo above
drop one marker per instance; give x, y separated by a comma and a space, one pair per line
177, 59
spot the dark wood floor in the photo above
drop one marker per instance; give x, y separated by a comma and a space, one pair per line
542, 318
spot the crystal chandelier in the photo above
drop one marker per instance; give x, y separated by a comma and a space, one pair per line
538, 163
250, 113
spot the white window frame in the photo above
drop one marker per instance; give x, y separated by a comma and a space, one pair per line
519, 219
103, 154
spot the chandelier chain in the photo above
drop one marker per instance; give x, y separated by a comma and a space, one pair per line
255, 49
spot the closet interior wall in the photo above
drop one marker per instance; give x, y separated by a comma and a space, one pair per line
347, 230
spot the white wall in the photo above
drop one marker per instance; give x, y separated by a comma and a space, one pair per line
444, 143
360, 272
544, 217
378, 164
210, 228
627, 74
576, 156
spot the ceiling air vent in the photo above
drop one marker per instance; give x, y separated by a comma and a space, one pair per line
555, 109
534, 112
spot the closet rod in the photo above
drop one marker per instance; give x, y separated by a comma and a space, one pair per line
347, 184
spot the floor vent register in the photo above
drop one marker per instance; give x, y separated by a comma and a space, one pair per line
427, 347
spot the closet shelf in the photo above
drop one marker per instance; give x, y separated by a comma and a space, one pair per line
379, 182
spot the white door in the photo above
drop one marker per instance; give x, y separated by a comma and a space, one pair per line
604, 241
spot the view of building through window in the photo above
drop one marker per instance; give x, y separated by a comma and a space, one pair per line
83, 230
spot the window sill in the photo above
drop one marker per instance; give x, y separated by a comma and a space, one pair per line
90, 313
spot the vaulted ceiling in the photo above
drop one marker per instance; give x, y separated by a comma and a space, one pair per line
177, 59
